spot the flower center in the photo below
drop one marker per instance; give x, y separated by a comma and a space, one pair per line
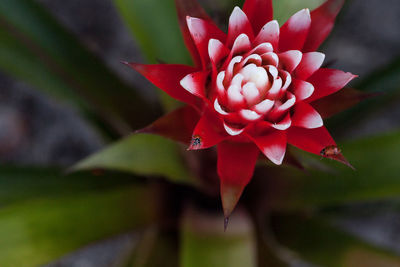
251, 85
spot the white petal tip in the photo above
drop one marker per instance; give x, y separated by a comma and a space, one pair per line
249, 115
232, 131
275, 156
218, 108
282, 127
314, 122
305, 10
276, 161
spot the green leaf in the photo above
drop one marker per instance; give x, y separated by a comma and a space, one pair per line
385, 80
36, 49
24, 183
155, 26
376, 177
284, 9
155, 248
38, 231
318, 242
204, 243
17, 60
141, 154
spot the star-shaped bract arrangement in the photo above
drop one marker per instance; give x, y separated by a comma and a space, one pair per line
252, 90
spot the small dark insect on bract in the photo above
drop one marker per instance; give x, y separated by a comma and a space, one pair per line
196, 141
330, 151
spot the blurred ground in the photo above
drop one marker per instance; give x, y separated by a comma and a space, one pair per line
35, 129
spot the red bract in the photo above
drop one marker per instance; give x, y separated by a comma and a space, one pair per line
252, 89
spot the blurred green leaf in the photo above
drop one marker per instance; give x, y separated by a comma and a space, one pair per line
36, 49
376, 177
17, 60
204, 243
385, 80
24, 183
318, 242
155, 26
38, 231
155, 248
141, 154
284, 9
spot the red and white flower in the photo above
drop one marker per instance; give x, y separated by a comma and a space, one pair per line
252, 90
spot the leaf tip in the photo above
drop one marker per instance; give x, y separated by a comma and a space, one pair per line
226, 222
230, 196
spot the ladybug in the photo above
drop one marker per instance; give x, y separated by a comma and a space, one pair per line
330, 151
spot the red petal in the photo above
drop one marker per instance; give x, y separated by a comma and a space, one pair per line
306, 116
340, 101
259, 12
241, 44
301, 89
315, 141
167, 77
310, 140
328, 81
202, 31
273, 145
209, 131
290, 59
294, 31
269, 33
177, 125
217, 51
284, 124
236, 162
322, 21
195, 83
190, 8
309, 64
238, 24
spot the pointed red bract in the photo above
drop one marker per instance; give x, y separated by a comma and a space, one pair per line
305, 116
191, 8
328, 81
289, 60
310, 63
322, 21
238, 24
202, 31
217, 51
167, 77
269, 33
195, 83
272, 145
236, 162
294, 32
259, 13
208, 132
177, 125
310, 140
302, 89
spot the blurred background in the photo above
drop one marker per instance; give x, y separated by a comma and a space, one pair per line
39, 127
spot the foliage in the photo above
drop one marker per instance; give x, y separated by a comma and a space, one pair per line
46, 213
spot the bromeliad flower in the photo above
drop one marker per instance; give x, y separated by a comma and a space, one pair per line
252, 90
